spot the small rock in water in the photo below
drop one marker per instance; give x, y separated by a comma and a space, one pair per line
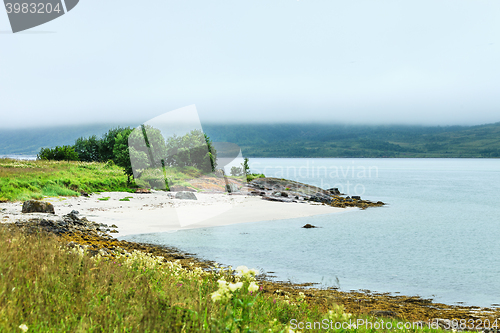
114, 226
75, 212
308, 226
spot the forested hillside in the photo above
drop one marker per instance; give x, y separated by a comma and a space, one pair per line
300, 140
28, 141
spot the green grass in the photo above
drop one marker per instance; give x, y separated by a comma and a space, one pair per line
103, 199
126, 199
50, 288
173, 176
24, 180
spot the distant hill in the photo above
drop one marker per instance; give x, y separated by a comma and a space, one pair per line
28, 141
300, 140
314, 140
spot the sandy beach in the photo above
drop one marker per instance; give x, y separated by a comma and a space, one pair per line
161, 212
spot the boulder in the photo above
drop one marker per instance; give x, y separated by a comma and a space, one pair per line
309, 226
37, 206
231, 188
185, 195
143, 190
257, 193
319, 197
334, 190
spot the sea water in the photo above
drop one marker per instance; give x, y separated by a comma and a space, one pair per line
437, 237
20, 157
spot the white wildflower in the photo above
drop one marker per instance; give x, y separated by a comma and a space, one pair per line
217, 296
222, 283
23, 327
253, 286
235, 286
242, 270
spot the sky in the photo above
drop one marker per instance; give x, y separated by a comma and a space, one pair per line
353, 61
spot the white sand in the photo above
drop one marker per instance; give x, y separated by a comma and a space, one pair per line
160, 211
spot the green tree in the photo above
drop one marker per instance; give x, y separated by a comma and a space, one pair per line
212, 153
246, 167
92, 149
64, 153
88, 149
236, 171
192, 149
107, 143
122, 152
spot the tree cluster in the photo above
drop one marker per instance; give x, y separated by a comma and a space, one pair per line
64, 153
145, 146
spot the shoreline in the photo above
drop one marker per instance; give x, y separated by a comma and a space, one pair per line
358, 302
161, 207
161, 212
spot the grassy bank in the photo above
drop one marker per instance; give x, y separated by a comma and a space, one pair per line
50, 287
23, 180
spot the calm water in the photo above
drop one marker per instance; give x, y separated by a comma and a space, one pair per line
19, 157
438, 237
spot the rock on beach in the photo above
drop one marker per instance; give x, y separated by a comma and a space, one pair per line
37, 206
185, 195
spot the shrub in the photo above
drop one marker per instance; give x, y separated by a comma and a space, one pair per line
252, 176
64, 153
236, 171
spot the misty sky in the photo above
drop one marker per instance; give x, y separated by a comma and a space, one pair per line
373, 61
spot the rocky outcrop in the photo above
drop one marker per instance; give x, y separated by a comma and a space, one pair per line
37, 206
334, 191
290, 186
185, 195
283, 190
66, 224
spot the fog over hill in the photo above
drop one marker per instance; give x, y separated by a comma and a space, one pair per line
298, 140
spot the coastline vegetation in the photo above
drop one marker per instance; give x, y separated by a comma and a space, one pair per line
24, 180
51, 286
104, 164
